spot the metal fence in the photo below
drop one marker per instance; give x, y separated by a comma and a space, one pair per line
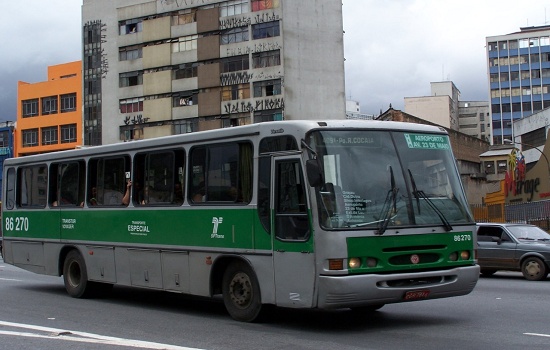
536, 213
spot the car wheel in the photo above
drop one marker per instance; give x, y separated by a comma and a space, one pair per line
534, 269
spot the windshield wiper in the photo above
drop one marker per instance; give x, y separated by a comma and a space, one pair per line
389, 208
420, 194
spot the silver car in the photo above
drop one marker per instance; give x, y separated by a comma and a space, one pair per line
513, 247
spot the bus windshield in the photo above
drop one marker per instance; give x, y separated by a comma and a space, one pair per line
383, 179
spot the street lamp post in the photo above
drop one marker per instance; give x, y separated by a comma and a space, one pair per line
528, 145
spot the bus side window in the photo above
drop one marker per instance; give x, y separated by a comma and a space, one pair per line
10, 189
110, 180
67, 184
32, 186
221, 173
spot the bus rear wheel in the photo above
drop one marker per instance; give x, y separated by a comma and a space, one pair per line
241, 292
75, 275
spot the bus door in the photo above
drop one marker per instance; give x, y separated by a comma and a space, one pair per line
293, 258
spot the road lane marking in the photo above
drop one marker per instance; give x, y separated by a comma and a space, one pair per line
83, 337
538, 334
10, 279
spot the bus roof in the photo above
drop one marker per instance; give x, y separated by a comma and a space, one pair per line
265, 128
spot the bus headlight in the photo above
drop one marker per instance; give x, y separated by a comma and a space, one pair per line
354, 263
465, 255
453, 256
372, 262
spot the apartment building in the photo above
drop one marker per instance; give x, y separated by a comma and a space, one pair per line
441, 107
519, 77
49, 113
156, 68
474, 119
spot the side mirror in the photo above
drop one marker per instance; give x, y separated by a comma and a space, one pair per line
313, 170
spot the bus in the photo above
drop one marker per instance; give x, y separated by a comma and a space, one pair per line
296, 214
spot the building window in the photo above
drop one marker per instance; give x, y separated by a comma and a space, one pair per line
49, 136
185, 43
68, 103
235, 63
185, 126
266, 30
183, 99
234, 35
186, 70
131, 105
131, 132
535, 138
130, 53
183, 17
235, 92
68, 133
130, 26
234, 7
489, 167
30, 137
49, 105
502, 166
268, 115
259, 5
266, 59
30, 108
130, 79
267, 88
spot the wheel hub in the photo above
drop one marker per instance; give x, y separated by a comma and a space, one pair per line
240, 290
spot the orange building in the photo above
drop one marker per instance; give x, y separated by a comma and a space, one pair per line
49, 113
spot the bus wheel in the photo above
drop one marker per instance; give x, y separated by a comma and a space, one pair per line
241, 292
75, 276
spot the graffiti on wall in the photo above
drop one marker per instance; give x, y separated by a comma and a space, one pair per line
177, 4
235, 78
259, 47
258, 105
136, 119
235, 22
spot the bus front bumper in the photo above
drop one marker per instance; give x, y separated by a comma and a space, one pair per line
375, 289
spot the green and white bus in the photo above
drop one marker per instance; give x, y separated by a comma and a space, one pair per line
298, 214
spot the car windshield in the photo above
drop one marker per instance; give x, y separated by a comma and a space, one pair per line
379, 179
529, 233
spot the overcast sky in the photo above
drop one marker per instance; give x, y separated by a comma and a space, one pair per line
393, 48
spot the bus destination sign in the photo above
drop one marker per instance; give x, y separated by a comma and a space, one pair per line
424, 141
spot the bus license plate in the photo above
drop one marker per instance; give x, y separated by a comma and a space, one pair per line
416, 294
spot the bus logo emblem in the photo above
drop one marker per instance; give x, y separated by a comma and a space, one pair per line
415, 259
216, 221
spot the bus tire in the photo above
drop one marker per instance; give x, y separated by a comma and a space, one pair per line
75, 275
241, 292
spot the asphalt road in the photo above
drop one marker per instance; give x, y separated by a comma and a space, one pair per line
504, 312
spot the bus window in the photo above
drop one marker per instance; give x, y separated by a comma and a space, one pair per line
32, 185
10, 189
107, 180
291, 209
278, 144
264, 195
67, 184
221, 173
158, 178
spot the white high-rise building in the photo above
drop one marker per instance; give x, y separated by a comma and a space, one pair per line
155, 68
